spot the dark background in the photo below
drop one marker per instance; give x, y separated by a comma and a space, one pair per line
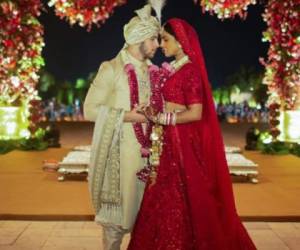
72, 52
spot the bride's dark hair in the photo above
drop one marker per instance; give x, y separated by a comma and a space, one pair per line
168, 28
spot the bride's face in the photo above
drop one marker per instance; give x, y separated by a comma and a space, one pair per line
169, 44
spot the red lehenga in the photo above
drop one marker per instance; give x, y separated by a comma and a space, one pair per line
191, 205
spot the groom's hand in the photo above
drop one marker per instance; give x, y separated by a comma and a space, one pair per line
134, 116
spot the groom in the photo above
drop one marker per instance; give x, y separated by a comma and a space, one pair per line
116, 148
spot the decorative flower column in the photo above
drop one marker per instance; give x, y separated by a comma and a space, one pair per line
21, 42
283, 64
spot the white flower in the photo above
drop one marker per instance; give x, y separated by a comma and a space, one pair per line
51, 3
80, 17
15, 81
34, 76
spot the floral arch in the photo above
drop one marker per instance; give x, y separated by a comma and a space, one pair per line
21, 43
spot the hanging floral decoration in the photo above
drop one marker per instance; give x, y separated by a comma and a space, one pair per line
21, 42
226, 8
85, 12
282, 75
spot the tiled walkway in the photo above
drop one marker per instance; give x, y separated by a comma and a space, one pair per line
32, 235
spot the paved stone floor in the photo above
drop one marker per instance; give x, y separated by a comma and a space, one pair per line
86, 235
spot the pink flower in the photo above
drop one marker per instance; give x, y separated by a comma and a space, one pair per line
129, 67
168, 67
153, 68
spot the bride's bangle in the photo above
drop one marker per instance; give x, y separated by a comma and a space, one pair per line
174, 119
166, 118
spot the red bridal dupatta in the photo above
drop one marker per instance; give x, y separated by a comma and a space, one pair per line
212, 153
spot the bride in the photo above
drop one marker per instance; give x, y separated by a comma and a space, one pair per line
188, 204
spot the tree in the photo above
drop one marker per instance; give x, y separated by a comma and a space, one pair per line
46, 85
248, 80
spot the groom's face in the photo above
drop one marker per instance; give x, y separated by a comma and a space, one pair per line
149, 47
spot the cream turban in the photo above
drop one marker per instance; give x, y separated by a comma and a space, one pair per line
141, 27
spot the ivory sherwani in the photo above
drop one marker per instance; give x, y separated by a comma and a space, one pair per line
110, 91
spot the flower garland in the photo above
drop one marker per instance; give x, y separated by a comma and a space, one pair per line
143, 138
283, 64
21, 42
226, 8
83, 12
157, 78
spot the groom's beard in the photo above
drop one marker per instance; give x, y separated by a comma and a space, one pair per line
146, 52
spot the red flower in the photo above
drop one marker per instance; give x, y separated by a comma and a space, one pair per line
8, 43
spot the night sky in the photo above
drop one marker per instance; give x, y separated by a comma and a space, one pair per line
72, 52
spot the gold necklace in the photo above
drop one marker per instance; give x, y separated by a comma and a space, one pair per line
178, 64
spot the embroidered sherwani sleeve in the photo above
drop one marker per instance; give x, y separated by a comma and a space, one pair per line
99, 91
